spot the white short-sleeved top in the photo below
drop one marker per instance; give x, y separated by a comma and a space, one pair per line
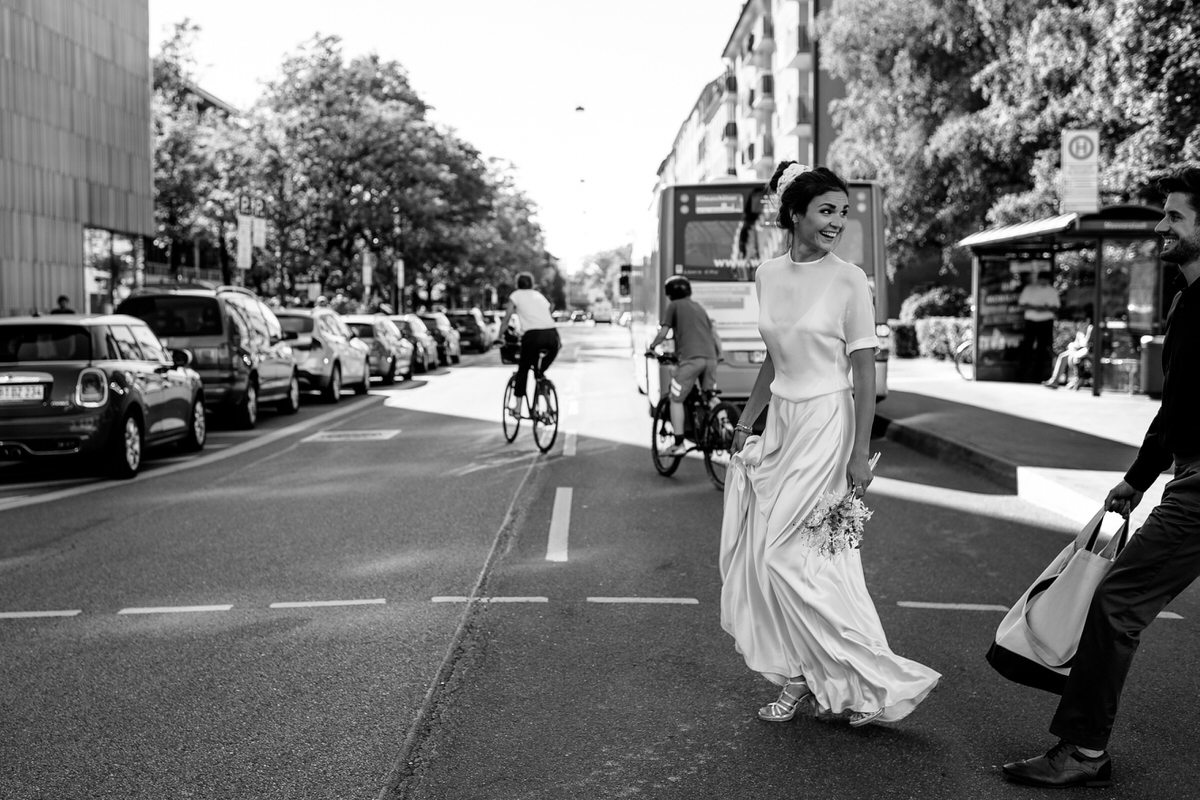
533, 309
812, 316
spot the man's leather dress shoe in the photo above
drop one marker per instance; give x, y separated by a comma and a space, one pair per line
1061, 767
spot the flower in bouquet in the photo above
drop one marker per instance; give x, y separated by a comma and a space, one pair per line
836, 523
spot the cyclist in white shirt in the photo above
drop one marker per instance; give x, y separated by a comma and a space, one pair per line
538, 332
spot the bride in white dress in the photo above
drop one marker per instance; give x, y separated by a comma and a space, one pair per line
801, 617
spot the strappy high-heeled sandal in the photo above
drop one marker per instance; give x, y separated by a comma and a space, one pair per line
860, 718
784, 708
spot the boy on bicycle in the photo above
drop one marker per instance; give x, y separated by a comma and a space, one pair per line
696, 344
539, 333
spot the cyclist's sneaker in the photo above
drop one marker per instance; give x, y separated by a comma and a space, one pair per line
720, 456
515, 410
676, 450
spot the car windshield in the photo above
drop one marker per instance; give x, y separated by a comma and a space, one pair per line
44, 343
295, 324
365, 330
176, 315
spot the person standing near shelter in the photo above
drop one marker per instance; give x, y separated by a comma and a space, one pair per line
800, 615
1039, 301
1163, 558
696, 344
538, 333
64, 306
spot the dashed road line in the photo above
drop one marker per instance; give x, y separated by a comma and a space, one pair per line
328, 603
988, 607
38, 614
173, 609
560, 525
678, 601
458, 598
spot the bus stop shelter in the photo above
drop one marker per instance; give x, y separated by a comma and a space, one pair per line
1106, 270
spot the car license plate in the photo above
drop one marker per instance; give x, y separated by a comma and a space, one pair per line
15, 394
758, 356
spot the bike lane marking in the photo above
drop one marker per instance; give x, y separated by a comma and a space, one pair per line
681, 601
988, 607
560, 525
38, 614
174, 609
458, 598
328, 603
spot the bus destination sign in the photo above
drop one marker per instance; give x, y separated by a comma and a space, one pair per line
728, 203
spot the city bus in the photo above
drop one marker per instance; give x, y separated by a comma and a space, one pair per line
716, 234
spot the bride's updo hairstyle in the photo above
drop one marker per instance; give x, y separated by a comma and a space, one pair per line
796, 185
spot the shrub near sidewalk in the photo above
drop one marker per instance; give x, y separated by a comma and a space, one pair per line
939, 337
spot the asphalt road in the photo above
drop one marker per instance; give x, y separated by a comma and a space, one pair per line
382, 599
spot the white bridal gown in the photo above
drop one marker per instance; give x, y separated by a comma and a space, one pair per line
791, 609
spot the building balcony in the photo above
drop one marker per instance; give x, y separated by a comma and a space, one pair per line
762, 99
801, 119
798, 49
762, 44
730, 131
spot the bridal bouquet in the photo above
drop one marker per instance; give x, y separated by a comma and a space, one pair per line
836, 523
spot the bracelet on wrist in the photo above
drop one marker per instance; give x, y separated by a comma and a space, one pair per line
743, 428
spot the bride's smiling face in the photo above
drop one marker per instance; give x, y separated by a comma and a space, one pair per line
820, 227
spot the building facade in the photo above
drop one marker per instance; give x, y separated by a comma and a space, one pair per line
76, 151
771, 104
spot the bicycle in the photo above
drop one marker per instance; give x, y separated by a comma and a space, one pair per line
964, 360
708, 422
541, 405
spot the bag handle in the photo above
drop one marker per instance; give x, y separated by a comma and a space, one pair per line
1117, 543
1086, 539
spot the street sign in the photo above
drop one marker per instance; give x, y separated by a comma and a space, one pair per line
1080, 171
245, 236
258, 236
368, 269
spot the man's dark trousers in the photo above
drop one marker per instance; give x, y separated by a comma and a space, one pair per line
1159, 562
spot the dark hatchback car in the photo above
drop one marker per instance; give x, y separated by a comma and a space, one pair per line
99, 387
236, 342
473, 329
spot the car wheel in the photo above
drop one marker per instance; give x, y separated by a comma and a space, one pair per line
246, 415
291, 403
333, 391
125, 448
364, 385
457, 357
390, 377
197, 433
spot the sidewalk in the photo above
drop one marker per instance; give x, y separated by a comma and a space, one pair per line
1059, 449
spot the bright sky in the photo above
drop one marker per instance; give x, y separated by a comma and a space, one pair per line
508, 75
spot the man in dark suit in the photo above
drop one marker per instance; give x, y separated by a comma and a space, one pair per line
1163, 558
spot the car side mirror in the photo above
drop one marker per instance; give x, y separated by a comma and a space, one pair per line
181, 358
289, 336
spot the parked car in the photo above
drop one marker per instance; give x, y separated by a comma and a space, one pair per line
101, 387
425, 352
329, 354
391, 353
492, 318
472, 329
236, 344
447, 338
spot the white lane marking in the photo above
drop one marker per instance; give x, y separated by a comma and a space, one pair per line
679, 601
465, 599
198, 461
352, 436
13, 501
989, 607
560, 525
173, 609
37, 614
952, 606
569, 445
326, 603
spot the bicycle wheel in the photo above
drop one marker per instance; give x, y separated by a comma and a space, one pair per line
511, 424
662, 436
545, 414
718, 441
964, 360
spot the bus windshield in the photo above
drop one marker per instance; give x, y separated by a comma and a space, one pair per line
723, 235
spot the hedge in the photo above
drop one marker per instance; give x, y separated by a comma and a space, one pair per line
938, 337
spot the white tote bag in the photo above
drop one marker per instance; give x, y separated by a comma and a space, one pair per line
1039, 635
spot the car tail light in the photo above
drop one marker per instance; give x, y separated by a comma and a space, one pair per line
91, 391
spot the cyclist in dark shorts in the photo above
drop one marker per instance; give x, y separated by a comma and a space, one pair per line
539, 332
697, 345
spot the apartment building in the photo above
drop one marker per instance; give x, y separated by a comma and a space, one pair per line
771, 104
76, 194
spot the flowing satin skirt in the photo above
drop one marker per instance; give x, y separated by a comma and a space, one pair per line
790, 609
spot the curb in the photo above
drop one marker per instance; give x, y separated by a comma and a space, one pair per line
944, 448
